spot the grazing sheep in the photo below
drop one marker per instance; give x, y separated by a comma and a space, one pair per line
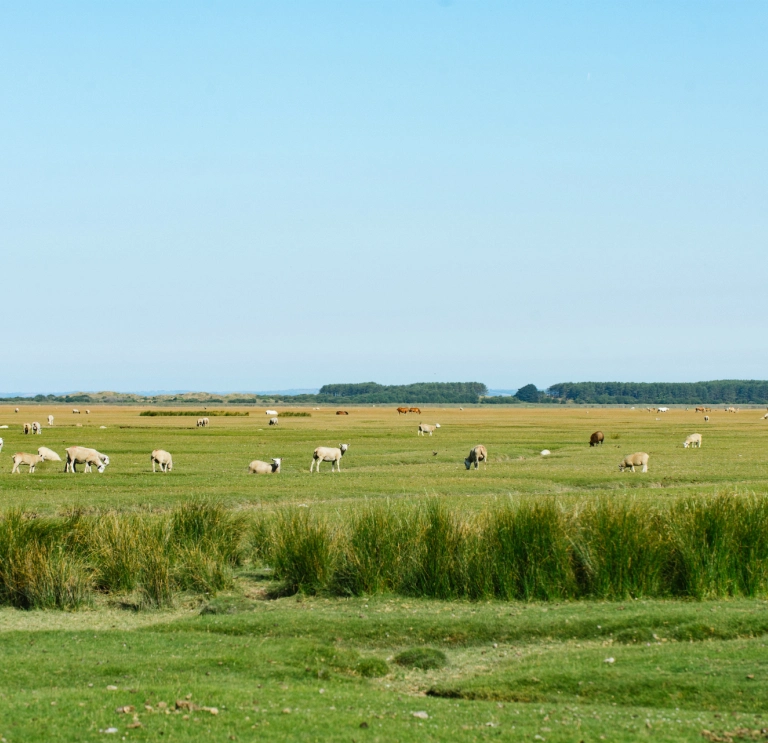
16, 410
49, 454
27, 428
163, 458
414, 410
342, 412
426, 428
706, 419
1, 444
596, 438
273, 421
328, 454
730, 410
30, 460
87, 412
694, 440
50, 421
271, 412
478, 454
36, 427
203, 422
662, 410
765, 416
88, 457
257, 467
634, 460
75, 411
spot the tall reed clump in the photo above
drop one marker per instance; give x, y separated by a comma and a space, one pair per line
718, 546
302, 550
36, 572
528, 551
619, 550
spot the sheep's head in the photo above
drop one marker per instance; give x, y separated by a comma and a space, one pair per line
343, 447
437, 425
467, 463
104, 458
621, 467
685, 444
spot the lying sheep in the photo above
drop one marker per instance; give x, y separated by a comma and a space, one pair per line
88, 457
634, 460
257, 467
50, 421
49, 454
694, 440
328, 454
163, 458
478, 454
30, 460
36, 427
273, 421
271, 412
427, 428
596, 438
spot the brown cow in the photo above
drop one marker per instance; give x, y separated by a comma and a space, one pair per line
402, 411
414, 410
699, 410
342, 412
596, 438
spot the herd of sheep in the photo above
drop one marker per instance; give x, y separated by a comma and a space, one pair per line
160, 458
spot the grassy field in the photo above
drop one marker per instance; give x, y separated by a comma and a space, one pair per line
246, 663
386, 458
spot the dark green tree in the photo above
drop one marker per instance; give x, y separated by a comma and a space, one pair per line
529, 393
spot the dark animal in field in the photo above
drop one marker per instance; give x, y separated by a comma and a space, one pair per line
414, 410
402, 411
342, 412
596, 438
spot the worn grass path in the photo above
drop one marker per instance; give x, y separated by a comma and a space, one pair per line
289, 670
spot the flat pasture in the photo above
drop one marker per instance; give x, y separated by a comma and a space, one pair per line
386, 458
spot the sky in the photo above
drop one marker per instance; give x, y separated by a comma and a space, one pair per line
269, 195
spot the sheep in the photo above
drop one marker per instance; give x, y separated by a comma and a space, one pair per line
206, 422
694, 440
426, 428
87, 412
478, 454
1, 444
730, 410
36, 427
199, 422
30, 460
89, 457
706, 419
49, 454
273, 421
50, 421
203, 422
163, 458
27, 428
545, 452
75, 411
271, 412
662, 410
328, 454
596, 438
765, 416
257, 467
16, 410
634, 460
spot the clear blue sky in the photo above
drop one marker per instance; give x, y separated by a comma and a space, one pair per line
264, 195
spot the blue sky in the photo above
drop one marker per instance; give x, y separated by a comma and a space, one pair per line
264, 195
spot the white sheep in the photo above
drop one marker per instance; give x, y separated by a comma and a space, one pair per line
634, 460
49, 454
694, 440
1, 444
75, 411
328, 454
273, 421
662, 410
706, 419
88, 457
36, 427
87, 412
271, 412
16, 410
257, 467
30, 460
50, 421
478, 454
163, 458
427, 428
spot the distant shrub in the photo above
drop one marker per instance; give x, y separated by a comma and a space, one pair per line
193, 413
295, 414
